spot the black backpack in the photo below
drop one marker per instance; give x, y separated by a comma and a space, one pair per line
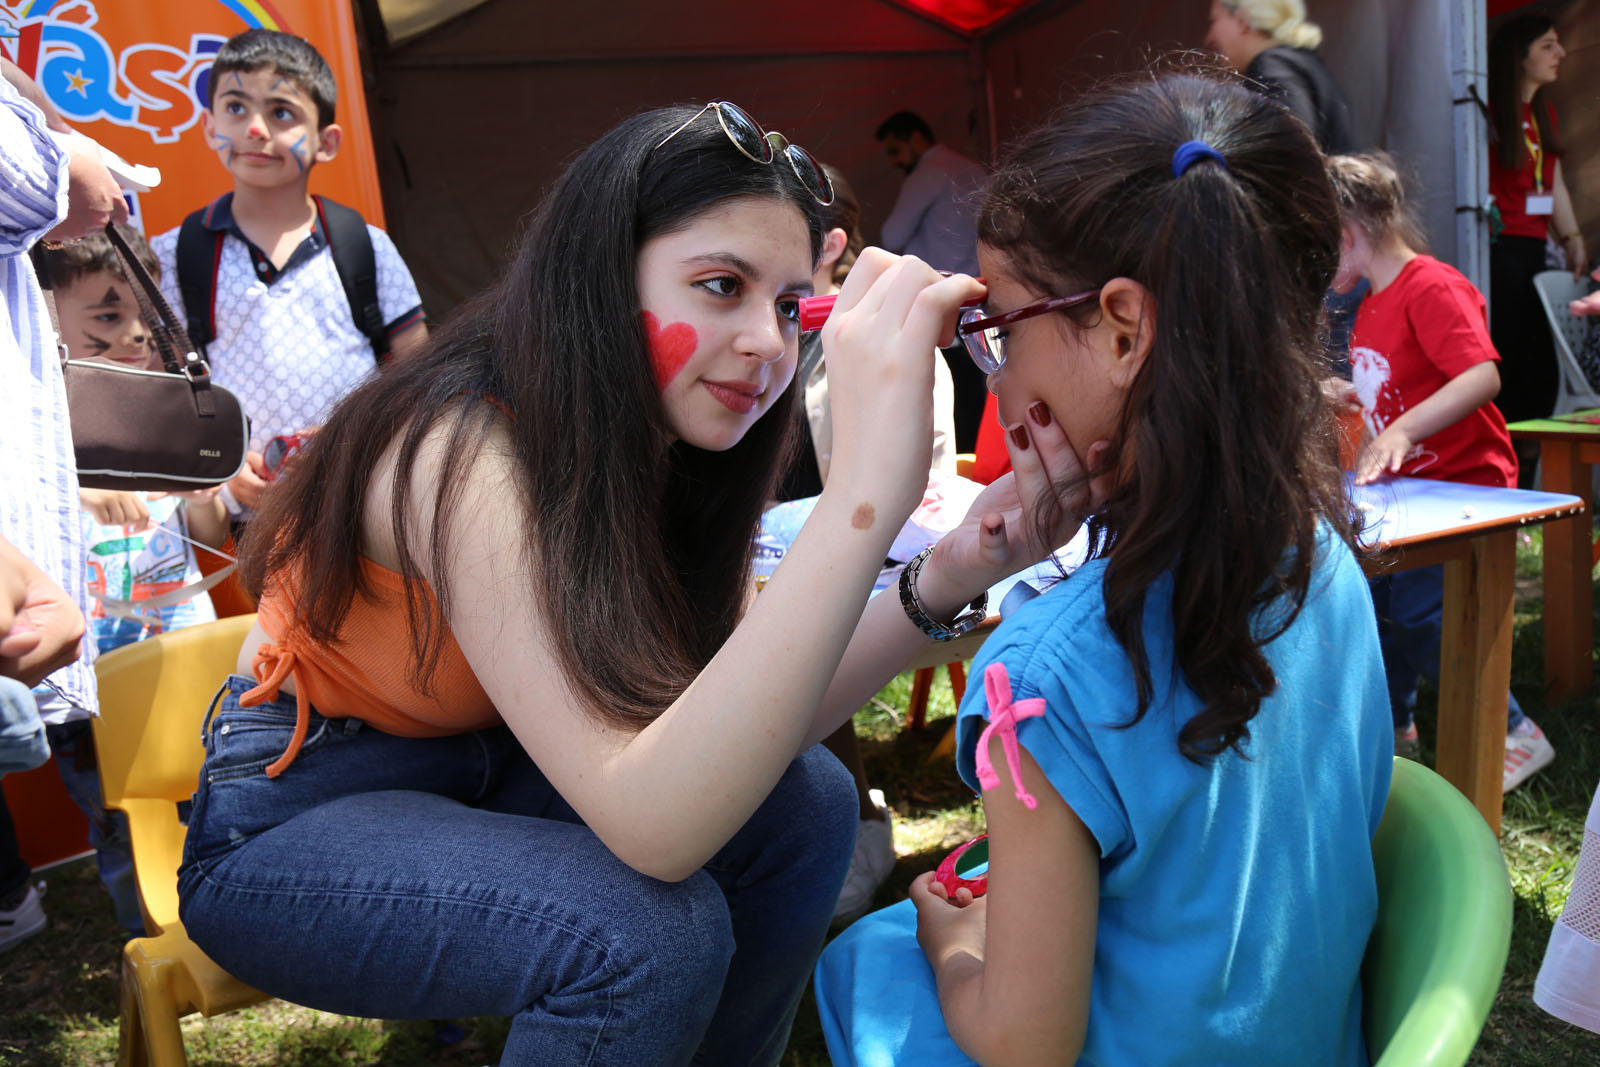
199, 255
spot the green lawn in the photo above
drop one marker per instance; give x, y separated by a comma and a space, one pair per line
59, 992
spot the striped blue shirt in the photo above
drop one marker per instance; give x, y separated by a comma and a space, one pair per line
38, 477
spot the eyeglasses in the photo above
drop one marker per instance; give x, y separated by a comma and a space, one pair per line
757, 144
277, 453
985, 342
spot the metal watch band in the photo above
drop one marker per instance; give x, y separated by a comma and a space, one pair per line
975, 612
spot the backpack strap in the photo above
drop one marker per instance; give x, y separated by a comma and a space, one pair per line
351, 247
199, 254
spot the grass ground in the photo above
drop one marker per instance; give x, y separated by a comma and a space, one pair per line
59, 992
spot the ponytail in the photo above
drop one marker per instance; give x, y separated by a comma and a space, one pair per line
1227, 444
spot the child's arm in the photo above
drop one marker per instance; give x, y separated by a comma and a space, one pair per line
1459, 397
112, 507
207, 517
1014, 966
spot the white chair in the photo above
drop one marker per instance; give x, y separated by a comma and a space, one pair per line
1557, 289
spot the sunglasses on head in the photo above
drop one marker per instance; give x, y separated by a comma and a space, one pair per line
760, 146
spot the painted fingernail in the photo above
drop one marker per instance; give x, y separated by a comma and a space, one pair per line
1019, 436
1039, 413
994, 531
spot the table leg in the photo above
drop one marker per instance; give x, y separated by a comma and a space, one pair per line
1568, 593
1475, 670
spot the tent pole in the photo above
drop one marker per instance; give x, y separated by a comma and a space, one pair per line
1468, 86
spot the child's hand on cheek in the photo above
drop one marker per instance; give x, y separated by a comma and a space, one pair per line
1000, 534
945, 927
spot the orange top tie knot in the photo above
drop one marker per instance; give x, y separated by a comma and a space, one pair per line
271, 665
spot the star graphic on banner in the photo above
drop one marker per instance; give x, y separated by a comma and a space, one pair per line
77, 83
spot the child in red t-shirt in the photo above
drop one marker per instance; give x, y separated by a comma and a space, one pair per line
1424, 375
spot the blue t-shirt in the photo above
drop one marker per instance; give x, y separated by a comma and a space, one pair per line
1236, 897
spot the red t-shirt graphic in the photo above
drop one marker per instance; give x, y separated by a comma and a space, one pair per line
1420, 331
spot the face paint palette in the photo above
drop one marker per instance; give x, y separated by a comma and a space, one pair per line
970, 856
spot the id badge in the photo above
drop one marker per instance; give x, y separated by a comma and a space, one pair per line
1541, 205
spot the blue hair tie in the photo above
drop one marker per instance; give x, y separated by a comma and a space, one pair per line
1191, 152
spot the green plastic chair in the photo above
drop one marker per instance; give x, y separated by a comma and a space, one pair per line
1438, 950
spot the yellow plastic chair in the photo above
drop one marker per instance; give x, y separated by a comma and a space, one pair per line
153, 697
1437, 953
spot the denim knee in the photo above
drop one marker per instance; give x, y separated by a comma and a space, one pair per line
677, 938
819, 795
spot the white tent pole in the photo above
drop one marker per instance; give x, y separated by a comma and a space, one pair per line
1468, 85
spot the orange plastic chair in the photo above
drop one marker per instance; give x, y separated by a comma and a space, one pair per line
153, 697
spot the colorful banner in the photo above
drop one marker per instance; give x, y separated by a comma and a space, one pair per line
132, 74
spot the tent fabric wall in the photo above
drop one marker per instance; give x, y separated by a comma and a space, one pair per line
1574, 95
479, 116
1391, 59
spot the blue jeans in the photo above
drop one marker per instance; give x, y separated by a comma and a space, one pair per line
23, 745
445, 877
1410, 608
73, 745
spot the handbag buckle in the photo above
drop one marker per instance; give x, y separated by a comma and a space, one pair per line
194, 366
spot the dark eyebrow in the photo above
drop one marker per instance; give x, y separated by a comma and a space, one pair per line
748, 269
111, 297
728, 259
272, 98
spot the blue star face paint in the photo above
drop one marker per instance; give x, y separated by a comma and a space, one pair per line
298, 151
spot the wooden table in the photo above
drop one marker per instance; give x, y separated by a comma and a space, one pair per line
1471, 530
1569, 448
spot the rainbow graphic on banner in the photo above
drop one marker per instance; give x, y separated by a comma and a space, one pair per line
256, 14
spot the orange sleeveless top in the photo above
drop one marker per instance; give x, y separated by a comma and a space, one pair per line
358, 675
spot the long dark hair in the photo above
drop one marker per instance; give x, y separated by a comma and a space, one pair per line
1227, 444
1507, 50
639, 548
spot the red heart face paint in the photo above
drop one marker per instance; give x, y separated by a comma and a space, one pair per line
670, 347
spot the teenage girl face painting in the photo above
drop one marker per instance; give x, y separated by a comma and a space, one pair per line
720, 300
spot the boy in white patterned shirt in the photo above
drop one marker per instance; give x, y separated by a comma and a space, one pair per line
282, 332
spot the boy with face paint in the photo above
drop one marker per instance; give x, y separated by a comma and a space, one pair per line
97, 312
286, 341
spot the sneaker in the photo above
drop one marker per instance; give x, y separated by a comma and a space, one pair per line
24, 920
1527, 751
1406, 743
870, 864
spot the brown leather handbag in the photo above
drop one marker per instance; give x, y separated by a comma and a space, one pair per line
169, 430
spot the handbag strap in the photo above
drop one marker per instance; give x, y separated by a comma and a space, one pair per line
178, 354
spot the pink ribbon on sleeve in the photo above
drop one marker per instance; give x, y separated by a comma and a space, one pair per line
1004, 714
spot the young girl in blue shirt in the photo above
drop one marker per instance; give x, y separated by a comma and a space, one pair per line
1183, 748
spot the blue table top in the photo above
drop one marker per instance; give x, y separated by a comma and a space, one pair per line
1408, 511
